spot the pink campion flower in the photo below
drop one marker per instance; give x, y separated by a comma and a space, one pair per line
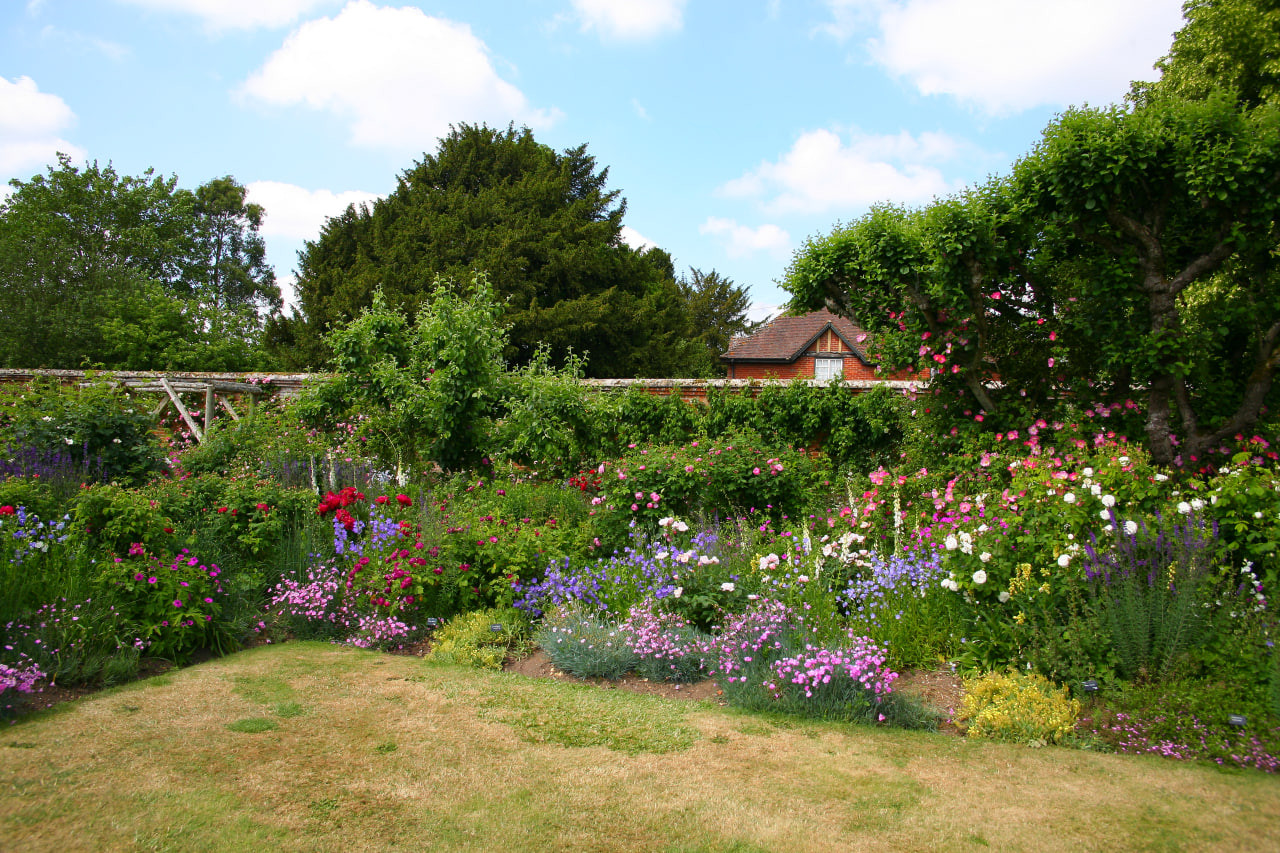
177, 602
755, 471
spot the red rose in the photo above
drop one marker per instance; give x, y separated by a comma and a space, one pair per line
381, 499
7, 510
404, 500
222, 509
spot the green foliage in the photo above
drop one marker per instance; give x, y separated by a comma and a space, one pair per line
110, 519
540, 224
582, 644
1017, 708
98, 268
425, 391
103, 434
1150, 586
546, 422
718, 312
1231, 45
469, 639
174, 606
703, 479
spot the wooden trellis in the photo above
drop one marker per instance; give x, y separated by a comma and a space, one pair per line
215, 393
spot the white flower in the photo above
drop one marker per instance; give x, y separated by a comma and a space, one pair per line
966, 542
67, 440
1095, 490
1258, 514
1004, 596
1064, 560
985, 556
727, 586
950, 583
1124, 460
951, 542
663, 522
1088, 472
1131, 527
1160, 478
680, 527
1069, 497
979, 577
1184, 507
803, 579
1105, 515
1197, 504
1108, 500
679, 592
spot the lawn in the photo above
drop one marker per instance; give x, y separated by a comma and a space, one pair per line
308, 746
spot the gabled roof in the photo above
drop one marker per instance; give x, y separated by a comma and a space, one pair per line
785, 339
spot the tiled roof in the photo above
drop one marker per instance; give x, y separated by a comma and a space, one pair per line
786, 338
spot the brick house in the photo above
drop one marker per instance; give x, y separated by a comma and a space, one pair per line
818, 345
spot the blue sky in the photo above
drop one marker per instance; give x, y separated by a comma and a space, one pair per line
734, 128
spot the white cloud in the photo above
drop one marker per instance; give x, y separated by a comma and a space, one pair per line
30, 123
635, 239
398, 76
296, 213
821, 173
237, 14
742, 240
1010, 55
630, 20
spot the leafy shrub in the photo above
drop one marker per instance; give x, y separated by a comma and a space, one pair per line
1017, 708
110, 519
96, 431
701, 479
546, 423
175, 609
469, 639
36, 565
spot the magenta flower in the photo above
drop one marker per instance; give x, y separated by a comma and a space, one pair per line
177, 602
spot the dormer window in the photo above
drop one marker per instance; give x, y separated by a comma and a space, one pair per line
828, 368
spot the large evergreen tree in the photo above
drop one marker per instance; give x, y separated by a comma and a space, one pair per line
540, 224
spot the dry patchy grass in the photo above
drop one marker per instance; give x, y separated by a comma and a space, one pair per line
369, 752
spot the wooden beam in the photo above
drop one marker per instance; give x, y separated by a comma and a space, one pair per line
182, 410
208, 408
226, 404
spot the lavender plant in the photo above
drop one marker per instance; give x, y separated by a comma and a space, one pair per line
1149, 586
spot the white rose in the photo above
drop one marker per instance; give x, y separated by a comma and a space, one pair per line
679, 592
979, 577
985, 556
1069, 497
1004, 596
1184, 507
1108, 500
1131, 527
1064, 560
951, 542
727, 586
